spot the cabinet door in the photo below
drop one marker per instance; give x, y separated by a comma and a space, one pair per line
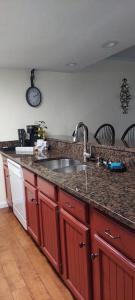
32, 212
8, 187
113, 273
75, 248
49, 226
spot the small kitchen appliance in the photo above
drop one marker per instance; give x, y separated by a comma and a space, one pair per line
32, 134
21, 137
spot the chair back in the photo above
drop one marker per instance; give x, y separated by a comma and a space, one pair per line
105, 135
128, 137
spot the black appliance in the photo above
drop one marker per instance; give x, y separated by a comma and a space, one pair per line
32, 134
21, 136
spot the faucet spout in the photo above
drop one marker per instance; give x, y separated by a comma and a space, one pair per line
75, 133
85, 134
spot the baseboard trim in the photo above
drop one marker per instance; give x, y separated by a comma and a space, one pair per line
3, 205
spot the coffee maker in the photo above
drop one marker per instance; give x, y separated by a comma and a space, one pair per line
32, 134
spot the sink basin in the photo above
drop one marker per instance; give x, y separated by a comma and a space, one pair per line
58, 163
70, 169
63, 165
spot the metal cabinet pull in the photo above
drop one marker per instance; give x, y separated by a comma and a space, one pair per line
94, 255
69, 205
108, 233
82, 244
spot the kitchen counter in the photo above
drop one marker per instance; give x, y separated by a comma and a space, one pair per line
109, 192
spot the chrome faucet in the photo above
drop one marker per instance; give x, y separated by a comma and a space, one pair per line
85, 134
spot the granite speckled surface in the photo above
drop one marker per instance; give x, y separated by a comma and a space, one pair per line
111, 193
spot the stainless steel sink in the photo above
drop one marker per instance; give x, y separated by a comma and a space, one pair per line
63, 165
70, 169
58, 163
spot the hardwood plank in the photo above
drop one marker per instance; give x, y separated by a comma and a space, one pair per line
24, 271
21, 294
5, 293
45, 273
6, 256
13, 275
36, 287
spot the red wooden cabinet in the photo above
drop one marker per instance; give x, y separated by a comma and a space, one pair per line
73, 206
76, 262
32, 212
8, 186
50, 242
115, 234
113, 273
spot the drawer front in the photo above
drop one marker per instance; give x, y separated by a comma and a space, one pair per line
29, 177
74, 206
47, 188
117, 235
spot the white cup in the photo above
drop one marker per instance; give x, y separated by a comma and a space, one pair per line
40, 143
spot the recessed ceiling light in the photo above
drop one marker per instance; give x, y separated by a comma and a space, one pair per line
110, 44
71, 65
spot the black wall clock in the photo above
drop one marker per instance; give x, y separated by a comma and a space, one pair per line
33, 94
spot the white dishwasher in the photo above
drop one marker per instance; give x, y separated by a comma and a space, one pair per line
17, 190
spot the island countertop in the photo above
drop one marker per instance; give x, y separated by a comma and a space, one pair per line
110, 192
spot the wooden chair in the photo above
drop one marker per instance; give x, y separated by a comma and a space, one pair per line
128, 137
105, 135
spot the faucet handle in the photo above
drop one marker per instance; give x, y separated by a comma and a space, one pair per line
73, 134
86, 154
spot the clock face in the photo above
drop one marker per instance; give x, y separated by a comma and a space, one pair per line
33, 96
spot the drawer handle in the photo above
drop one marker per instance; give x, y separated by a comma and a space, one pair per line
32, 199
69, 205
82, 244
108, 233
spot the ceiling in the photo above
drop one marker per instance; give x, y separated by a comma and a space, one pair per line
125, 55
49, 34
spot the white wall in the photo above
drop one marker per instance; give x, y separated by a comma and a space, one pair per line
67, 98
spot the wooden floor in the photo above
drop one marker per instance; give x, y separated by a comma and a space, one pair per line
25, 273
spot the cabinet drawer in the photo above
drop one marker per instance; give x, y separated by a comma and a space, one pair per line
29, 176
77, 208
47, 188
117, 235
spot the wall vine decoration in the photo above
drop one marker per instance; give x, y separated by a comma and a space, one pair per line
125, 96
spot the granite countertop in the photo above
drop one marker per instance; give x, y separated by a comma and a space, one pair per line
109, 192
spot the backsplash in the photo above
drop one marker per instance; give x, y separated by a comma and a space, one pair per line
116, 153
9, 143
75, 150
